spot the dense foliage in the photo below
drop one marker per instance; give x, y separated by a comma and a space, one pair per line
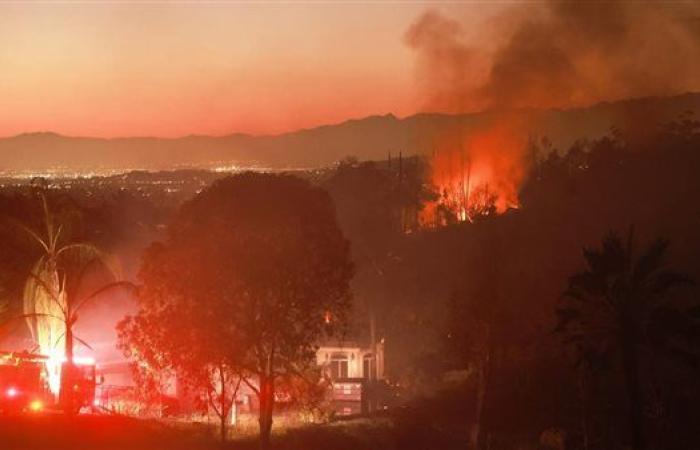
253, 272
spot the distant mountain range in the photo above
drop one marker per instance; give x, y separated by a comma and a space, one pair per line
370, 138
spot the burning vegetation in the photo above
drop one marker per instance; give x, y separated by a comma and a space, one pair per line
557, 54
477, 174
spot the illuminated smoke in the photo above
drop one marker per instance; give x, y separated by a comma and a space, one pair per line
557, 54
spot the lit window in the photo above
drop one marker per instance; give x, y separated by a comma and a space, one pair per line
339, 365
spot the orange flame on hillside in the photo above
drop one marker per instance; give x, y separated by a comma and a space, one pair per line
477, 173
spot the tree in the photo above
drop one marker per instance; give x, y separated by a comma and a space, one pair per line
481, 321
190, 335
257, 261
471, 336
610, 307
378, 205
56, 291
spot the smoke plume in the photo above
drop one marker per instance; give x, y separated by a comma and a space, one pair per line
560, 54
557, 54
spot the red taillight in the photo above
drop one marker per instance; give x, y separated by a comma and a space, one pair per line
11, 392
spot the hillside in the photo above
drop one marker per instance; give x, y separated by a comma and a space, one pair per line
367, 138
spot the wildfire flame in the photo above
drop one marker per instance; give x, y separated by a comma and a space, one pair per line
477, 173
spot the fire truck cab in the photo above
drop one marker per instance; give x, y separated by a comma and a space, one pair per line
23, 387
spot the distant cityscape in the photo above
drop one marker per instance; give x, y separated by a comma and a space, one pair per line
162, 187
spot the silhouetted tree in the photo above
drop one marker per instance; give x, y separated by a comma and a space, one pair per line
480, 320
177, 336
610, 306
258, 261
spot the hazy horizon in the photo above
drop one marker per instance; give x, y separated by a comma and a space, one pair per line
176, 69
161, 69
340, 121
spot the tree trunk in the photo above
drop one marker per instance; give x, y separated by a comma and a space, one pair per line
222, 405
68, 374
482, 386
373, 366
583, 392
267, 401
69, 342
631, 372
222, 427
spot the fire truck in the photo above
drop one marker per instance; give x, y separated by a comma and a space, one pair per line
79, 379
24, 384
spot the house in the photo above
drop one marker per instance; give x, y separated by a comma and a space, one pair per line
356, 372
353, 368
350, 360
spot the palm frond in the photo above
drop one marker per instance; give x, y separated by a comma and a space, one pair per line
107, 287
58, 340
56, 236
48, 217
31, 233
82, 257
650, 261
84, 253
83, 342
83, 248
666, 280
586, 282
36, 315
49, 291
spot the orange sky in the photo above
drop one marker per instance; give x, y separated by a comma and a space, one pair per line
171, 69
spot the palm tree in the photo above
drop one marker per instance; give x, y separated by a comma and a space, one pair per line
53, 295
610, 306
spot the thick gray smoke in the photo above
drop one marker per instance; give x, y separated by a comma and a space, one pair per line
559, 54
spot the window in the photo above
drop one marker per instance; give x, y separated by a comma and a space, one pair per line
339, 365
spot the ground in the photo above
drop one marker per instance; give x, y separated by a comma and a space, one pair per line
121, 433
436, 423
54, 431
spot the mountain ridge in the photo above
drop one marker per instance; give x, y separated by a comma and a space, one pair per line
367, 138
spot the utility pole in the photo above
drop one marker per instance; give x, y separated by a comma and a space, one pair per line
462, 186
401, 196
468, 192
373, 347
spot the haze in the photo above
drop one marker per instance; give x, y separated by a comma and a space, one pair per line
107, 69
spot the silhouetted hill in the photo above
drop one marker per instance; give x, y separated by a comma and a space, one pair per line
367, 138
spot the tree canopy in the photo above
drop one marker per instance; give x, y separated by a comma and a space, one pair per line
249, 272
